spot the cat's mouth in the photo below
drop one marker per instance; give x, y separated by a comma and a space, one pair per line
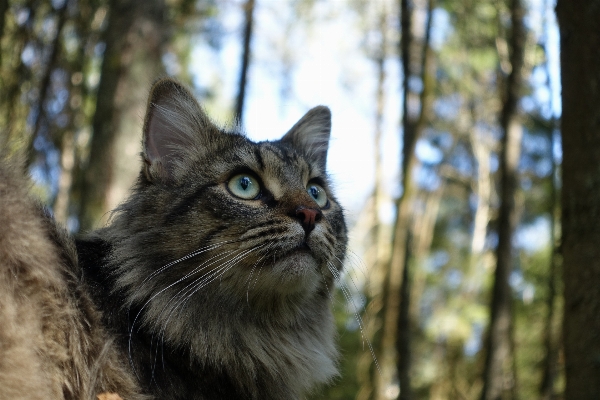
299, 251
296, 270
301, 248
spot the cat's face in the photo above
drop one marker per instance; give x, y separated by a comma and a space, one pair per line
215, 210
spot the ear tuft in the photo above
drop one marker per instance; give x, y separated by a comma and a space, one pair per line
311, 134
173, 118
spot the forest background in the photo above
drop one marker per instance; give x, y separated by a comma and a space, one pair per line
446, 152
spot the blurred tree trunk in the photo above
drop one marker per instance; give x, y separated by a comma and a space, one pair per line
248, 24
483, 188
78, 93
551, 336
3, 12
403, 341
367, 375
98, 174
395, 337
65, 180
134, 37
498, 376
44, 87
12, 75
580, 66
148, 41
388, 352
424, 228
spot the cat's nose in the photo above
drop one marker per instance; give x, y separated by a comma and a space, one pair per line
308, 217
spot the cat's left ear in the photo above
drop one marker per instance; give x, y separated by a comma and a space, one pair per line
173, 119
311, 134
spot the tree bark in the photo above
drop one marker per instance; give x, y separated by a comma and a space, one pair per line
3, 10
99, 172
395, 337
10, 83
580, 77
248, 25
403, 341
498, 376
481, 151
40, 111
65, 180
550, 341
134, 27
388, 351
368, 375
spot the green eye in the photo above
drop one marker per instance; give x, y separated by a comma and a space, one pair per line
244, 186
318, 194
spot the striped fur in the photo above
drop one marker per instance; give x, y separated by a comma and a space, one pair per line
211, 296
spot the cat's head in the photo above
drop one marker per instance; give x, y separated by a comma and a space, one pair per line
214, 209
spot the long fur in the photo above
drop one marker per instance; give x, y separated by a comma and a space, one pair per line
52, 343
202, 294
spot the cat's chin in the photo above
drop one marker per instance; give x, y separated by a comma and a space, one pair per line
297, 271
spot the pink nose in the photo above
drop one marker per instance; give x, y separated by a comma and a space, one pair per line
308, 217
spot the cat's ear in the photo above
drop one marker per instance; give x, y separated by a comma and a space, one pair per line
173, 117
311, 134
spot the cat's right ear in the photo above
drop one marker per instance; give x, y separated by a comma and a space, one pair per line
311, 135
173, 117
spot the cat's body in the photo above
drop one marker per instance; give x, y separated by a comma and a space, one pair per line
214, 278
52, 342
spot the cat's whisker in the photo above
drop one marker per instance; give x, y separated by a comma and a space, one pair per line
358, 261
256, 279
356, 313
349, 275
184, 295
329, 243
206, 264
187, 257
209, 277
249, 279
329, 290
227, 266
350, 270
253, 266
213, 260
181, 294
167, 266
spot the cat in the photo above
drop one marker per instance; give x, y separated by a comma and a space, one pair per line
213, 280
52, 342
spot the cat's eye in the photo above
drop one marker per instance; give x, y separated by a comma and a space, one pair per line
244, 186
318, 194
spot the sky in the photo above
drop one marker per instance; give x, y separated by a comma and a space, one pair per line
329, 69
326, 64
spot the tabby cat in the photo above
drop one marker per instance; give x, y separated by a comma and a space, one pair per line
214, 278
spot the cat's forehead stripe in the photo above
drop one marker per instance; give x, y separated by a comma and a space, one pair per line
290, 158
259, 158
282, 168
279, 153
